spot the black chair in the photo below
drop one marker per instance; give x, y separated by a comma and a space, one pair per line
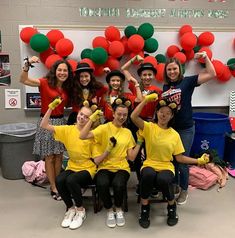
94, 196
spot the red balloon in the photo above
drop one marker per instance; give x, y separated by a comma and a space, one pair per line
171, 50
116, 49
181, 57
206, 38
64, 47
135, 43
160, 72
232, 72
189, 54
112, 63
226, 75
73, 64
100, 41
26, 33
151, 59
44, 55
219, 67
188, 41
184, 29
54, 36
209, 54
51, 60
124, 40
99, 70
112, 33
88, 61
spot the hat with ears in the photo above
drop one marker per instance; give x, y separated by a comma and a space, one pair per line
146, 66
166, 103
83, 67
115, 73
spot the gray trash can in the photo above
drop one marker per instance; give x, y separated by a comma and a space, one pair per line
16, 147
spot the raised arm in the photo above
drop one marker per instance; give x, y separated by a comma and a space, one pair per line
209, 72
24, 76
137, 120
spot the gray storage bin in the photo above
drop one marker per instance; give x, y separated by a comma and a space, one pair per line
16, 146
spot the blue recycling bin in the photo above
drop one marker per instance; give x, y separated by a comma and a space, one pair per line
210, 130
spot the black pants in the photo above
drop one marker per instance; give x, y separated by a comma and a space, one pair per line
163, 181
117, 181
69, 184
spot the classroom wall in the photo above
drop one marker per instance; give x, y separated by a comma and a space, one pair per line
60, 12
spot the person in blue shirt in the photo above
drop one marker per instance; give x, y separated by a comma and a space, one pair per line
180, 89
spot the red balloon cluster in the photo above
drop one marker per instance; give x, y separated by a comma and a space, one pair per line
51, 60
64, 47
54, 36
206, 39
26, 34
188, 41
100, 41
135, 43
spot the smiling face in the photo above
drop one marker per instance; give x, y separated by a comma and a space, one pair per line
85, 78
83, 116
120, 116
173, 71
147, 76
115, 83
62, 73
164, 115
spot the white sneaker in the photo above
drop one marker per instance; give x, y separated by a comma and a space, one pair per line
78, 219
120, 219
110, 220
68, 217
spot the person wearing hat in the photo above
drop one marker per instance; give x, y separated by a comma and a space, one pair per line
86, 90
116, 80
180, 89
162, 144
147, 73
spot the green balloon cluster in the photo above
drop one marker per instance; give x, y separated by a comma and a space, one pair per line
150, 45
99, 55
146, 30
160, 58
86, 53
129, 31
231, 63
39, 42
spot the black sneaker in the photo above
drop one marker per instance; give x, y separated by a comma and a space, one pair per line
144, 218
172, 216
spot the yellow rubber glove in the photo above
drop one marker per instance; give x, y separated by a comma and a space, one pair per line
204, 159
111, 144
151, 97
57, 101
96, 115
140, 138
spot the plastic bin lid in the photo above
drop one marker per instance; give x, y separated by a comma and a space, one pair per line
18, 128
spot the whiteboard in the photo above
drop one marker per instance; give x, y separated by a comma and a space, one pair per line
211, 94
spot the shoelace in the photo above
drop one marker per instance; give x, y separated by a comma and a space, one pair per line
69, 214
111, 215
119, 214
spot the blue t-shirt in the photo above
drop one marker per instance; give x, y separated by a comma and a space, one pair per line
181, 92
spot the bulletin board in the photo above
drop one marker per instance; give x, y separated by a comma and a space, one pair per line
210, 94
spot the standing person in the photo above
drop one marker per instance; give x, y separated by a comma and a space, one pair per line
180, 89
114, 145
147, 73
86, 90
116, 80
80, 169
56, 83
162, 143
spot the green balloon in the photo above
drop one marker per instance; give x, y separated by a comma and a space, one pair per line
231, 63
86, 53
146, 30
99, 55
196, 48
129, 31
160, 58
150, 45
39, 42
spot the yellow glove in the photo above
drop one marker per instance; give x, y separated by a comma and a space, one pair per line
140, 138
204, 159
96, 115
111, 144
55, 103
151, 97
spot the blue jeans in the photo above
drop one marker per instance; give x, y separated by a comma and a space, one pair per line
182, 170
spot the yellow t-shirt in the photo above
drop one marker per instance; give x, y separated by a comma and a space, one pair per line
117, 159
79, 151
161, 145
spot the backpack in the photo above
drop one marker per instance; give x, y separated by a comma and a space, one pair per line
35, 173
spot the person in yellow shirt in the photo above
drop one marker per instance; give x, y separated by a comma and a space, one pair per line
162, 144
80, 169
114, 145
